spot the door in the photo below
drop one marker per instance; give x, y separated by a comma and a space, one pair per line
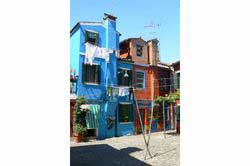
138, 128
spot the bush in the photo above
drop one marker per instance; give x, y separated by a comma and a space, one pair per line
78, 128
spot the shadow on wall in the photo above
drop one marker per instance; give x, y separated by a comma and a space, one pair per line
103, 154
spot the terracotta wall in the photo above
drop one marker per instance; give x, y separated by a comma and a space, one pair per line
124, 50
146, 93
152, 50
164, 74
132, 45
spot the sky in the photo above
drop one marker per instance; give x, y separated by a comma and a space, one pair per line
133, 16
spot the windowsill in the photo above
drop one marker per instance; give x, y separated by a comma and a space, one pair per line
125, 122
123, 86
96, 44
140, 89
94, 84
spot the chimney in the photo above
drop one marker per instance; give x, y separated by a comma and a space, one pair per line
111, 33
108, 16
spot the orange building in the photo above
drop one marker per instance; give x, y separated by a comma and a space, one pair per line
146, 73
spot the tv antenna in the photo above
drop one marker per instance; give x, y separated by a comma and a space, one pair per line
112, 12
153, 27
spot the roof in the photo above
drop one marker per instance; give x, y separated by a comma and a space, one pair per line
164, 65
75, 28
153, 40
132, 38
174, 63
125, 60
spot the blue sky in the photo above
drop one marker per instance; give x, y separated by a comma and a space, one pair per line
133, 16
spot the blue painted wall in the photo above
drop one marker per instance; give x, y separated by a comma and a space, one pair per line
125, 128
96, 94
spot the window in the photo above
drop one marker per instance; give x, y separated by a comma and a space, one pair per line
139, 50
124, 77
125, 112
140, 79
177, 81
91, 73
163, 84
178, 113
91, 37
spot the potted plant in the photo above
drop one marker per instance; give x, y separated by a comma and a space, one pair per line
80, 132
110, 122
79, 126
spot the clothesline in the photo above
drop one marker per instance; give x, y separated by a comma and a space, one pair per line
167, 78
122, 92
93, 51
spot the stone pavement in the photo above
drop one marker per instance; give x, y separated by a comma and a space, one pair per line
127, 150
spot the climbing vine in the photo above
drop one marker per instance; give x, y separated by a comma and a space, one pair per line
79, 114
110, 122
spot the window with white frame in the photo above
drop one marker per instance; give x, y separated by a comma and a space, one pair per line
91, 73
140, 79
91, 37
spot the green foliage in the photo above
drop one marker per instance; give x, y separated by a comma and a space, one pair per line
78, 128
80, 100
171, 98
110, 122
79, 117
78, 114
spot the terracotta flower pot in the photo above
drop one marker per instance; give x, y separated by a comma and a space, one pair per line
78, 138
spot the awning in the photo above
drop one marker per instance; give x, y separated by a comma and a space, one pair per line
93, 116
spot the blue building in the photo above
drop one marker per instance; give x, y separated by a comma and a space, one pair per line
98, 80
126, 113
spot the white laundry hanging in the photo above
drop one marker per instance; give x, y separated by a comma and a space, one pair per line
115, 92
93, 51
123, 91
117, 53
103, 53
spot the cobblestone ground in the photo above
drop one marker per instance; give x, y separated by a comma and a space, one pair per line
127, 150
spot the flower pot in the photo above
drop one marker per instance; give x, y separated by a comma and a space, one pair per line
78, 138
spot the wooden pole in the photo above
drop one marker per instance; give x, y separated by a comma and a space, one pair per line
141, 124
151, 119
164, 118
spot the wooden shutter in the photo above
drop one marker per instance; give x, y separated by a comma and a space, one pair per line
97, 74
83, 73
